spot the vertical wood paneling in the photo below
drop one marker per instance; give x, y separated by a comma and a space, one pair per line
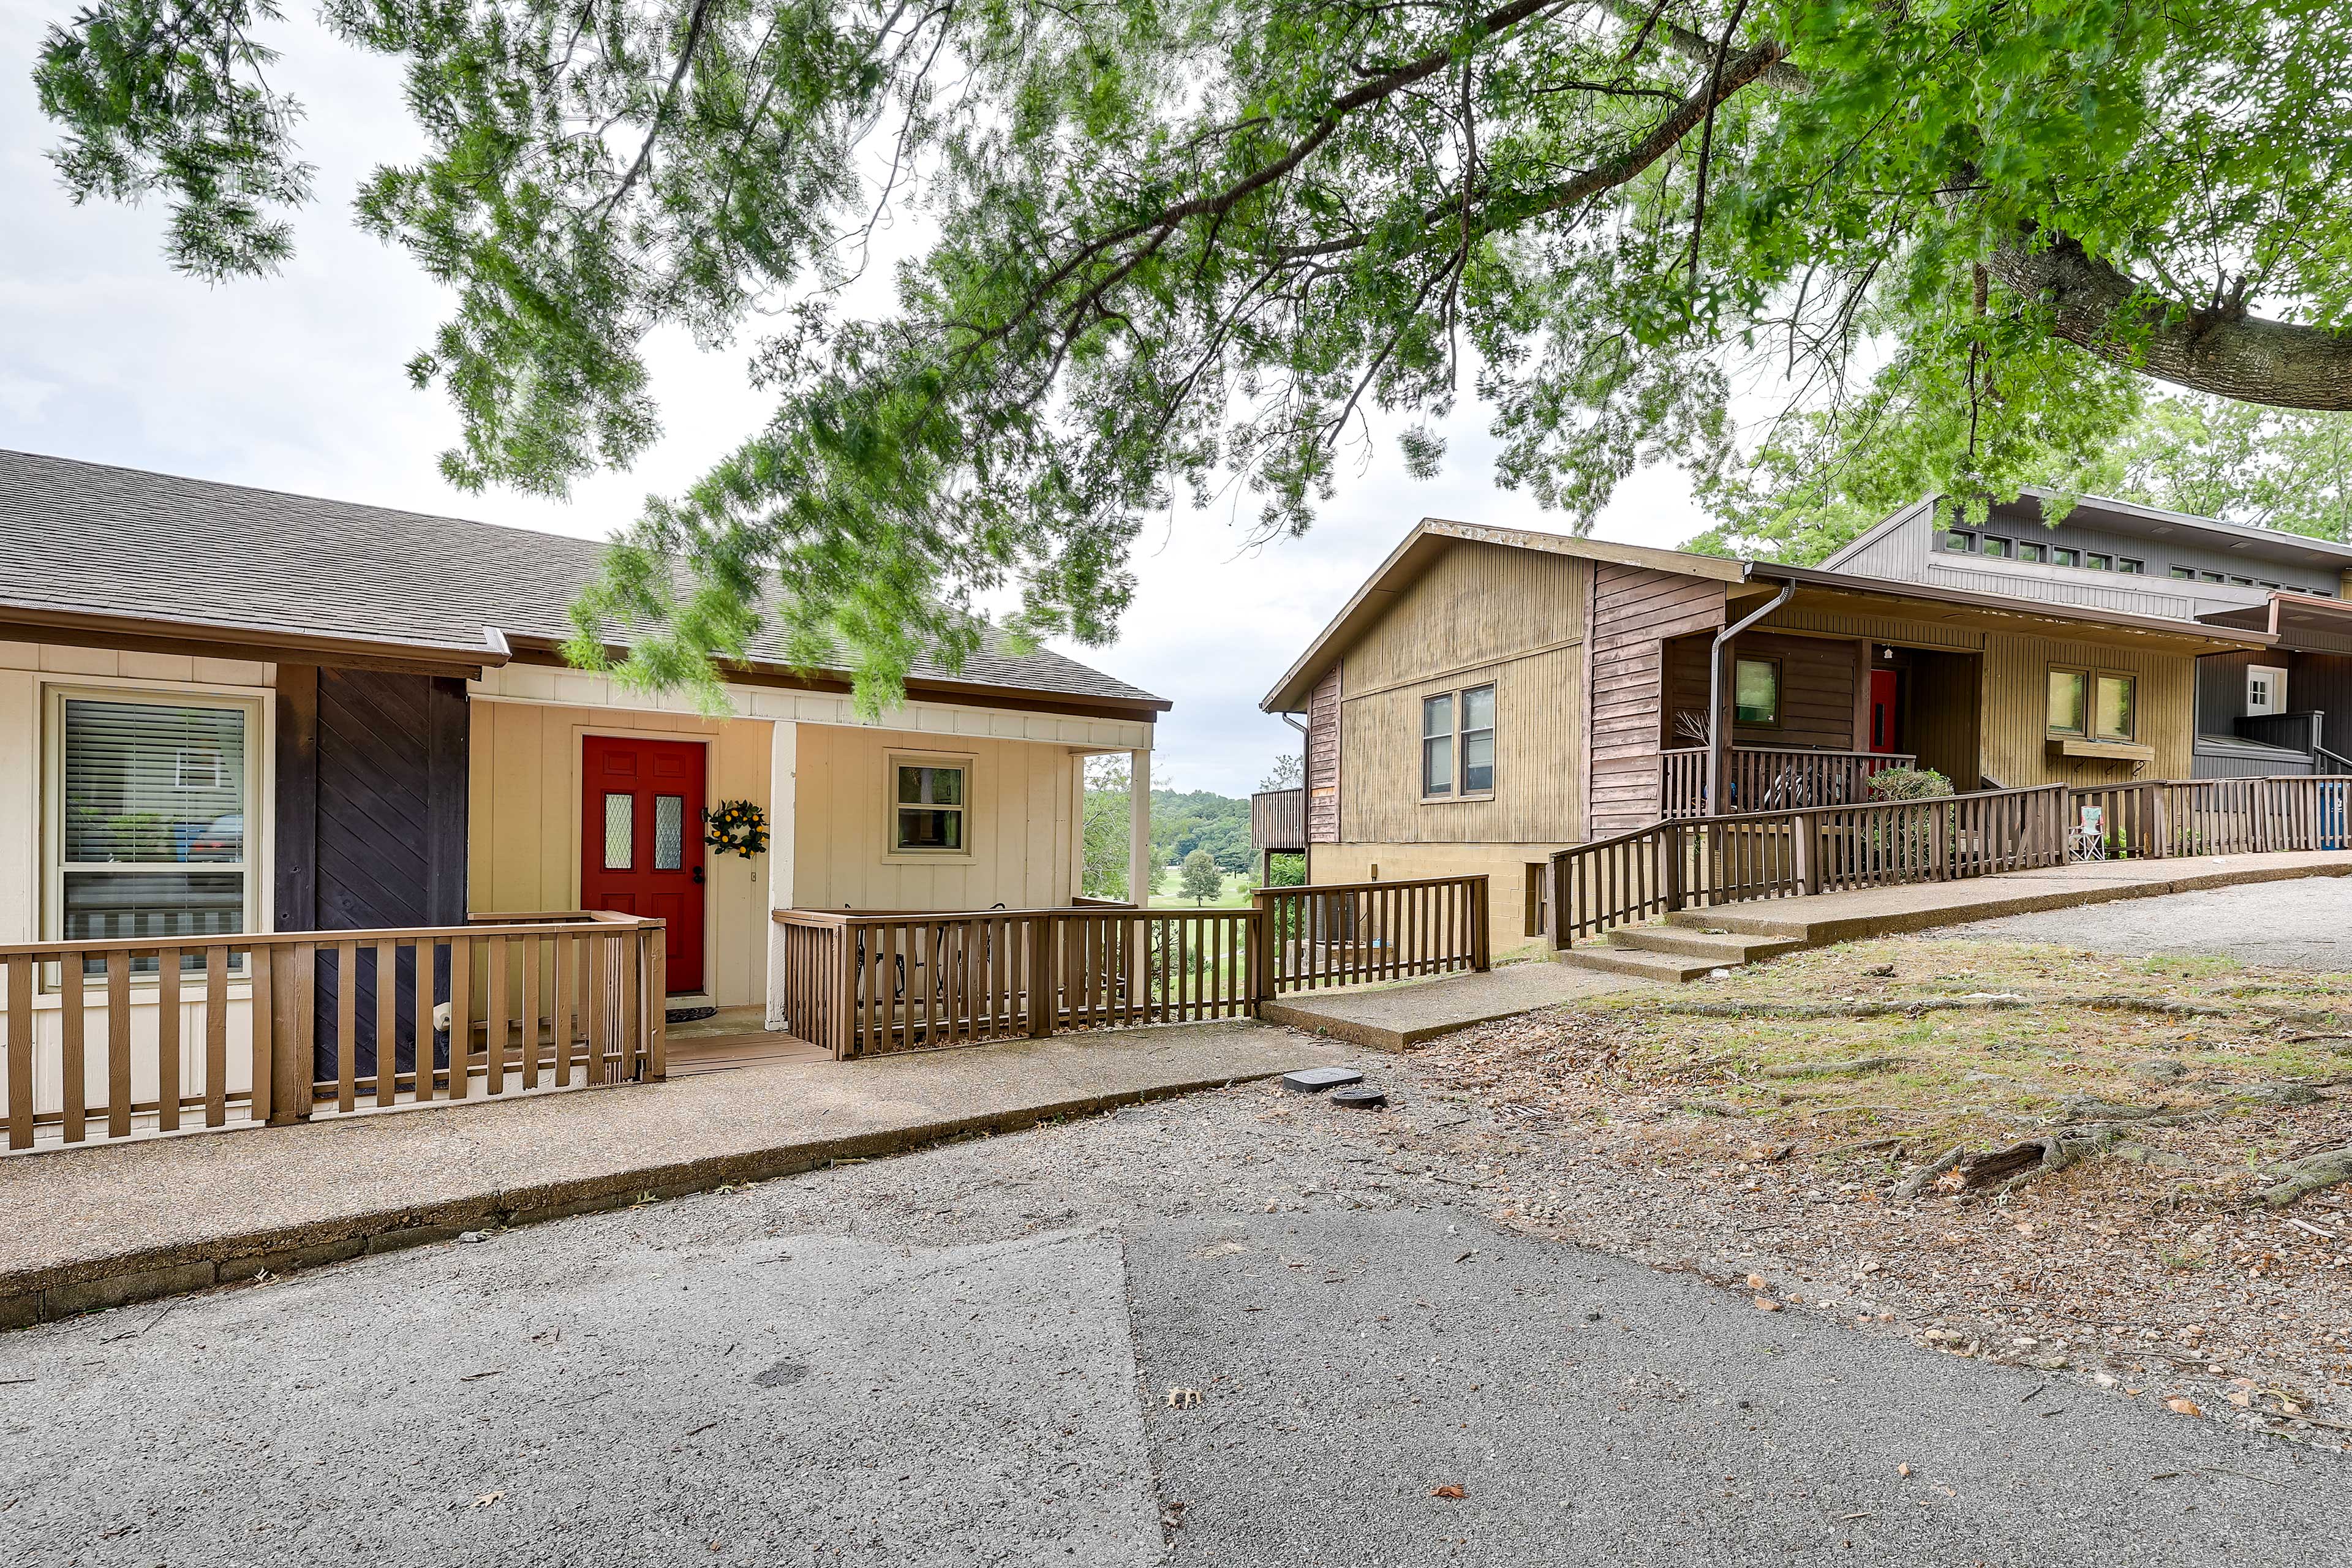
1539, 758
1634, 612
1325, 743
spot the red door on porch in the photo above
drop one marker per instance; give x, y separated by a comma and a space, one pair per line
641, 840
1882, 736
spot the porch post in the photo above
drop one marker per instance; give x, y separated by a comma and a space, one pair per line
1139, 828
783, 760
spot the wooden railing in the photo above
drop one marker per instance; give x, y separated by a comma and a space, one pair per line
164, 1035
870, 983
1352, 934
1278, 819
2155, 818
1769, 778
1707, 862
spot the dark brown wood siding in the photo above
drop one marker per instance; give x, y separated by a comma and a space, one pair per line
1634, 610
1817, 688
1323, 760
372, 794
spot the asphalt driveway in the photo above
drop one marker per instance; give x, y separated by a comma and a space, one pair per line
2305, 923
966, 1356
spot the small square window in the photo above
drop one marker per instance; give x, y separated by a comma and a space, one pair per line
2130, 567
2000, 549
2184, 574
2242, 582
2029, 551
2098, 562
2062, 556
1959, 543
2210, 576
1755, 690
930, 801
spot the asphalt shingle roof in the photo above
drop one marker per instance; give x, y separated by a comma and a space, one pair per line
101, 540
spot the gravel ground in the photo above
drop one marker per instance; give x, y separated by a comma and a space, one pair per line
966, 1356
2307, 924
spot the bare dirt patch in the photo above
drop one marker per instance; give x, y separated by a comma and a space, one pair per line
2118, 1122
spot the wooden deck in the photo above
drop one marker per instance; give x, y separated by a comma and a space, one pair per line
734, 1038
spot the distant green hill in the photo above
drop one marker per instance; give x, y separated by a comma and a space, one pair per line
1185, 820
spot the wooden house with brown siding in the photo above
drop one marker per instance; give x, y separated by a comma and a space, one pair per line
1491, 695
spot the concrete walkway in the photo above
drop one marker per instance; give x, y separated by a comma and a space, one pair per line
1392, 1017
1825, 918
98, 1226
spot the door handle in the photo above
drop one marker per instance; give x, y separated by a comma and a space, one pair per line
697, 876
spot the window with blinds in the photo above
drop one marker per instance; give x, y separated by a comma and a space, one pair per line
150, 815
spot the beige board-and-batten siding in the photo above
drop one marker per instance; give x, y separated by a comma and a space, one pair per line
522, 826
1481, 614
1021, 824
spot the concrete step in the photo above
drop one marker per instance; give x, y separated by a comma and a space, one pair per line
1666, 966
1727, 948
1751, 921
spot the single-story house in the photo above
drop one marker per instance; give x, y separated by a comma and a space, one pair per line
225, 710
1492, 695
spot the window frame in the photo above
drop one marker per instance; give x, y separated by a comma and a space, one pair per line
1779, 690
2131, 565
1457, 738
2032, 552
896, 758
2098, 560
254, 913
2091, 675
1996, 548
2065, 556
1960, 541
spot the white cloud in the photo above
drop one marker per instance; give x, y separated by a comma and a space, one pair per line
296, 383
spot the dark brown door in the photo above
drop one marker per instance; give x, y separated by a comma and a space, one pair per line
641, 840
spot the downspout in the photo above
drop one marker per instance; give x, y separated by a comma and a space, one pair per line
1714, 693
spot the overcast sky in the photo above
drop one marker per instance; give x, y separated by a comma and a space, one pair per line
296, 383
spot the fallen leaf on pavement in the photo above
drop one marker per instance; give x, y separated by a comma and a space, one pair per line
2180, 1406
1449, 1491
487, 1498
1766, 1304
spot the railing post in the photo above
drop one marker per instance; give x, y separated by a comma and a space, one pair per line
1480, 954
1803, 840
1045, 983
293, 1009
655, 936
1261, 966
1677, 865
2160, 820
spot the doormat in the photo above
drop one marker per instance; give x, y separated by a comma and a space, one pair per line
689, 1015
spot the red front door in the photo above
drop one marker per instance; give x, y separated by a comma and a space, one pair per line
641, 840
1883, 736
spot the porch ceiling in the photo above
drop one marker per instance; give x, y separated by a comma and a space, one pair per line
1834, 594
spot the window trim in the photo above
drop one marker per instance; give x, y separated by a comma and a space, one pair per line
2131, 565
256, 914
892, 760
2032, 552
2065, 556
2098, 560
1455, 737
1999, 549
1780, 690
1960, 541
2092, 675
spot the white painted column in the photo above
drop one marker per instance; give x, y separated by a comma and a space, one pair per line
1139, 828
783, 761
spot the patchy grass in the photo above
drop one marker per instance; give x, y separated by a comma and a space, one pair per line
1911, 1043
